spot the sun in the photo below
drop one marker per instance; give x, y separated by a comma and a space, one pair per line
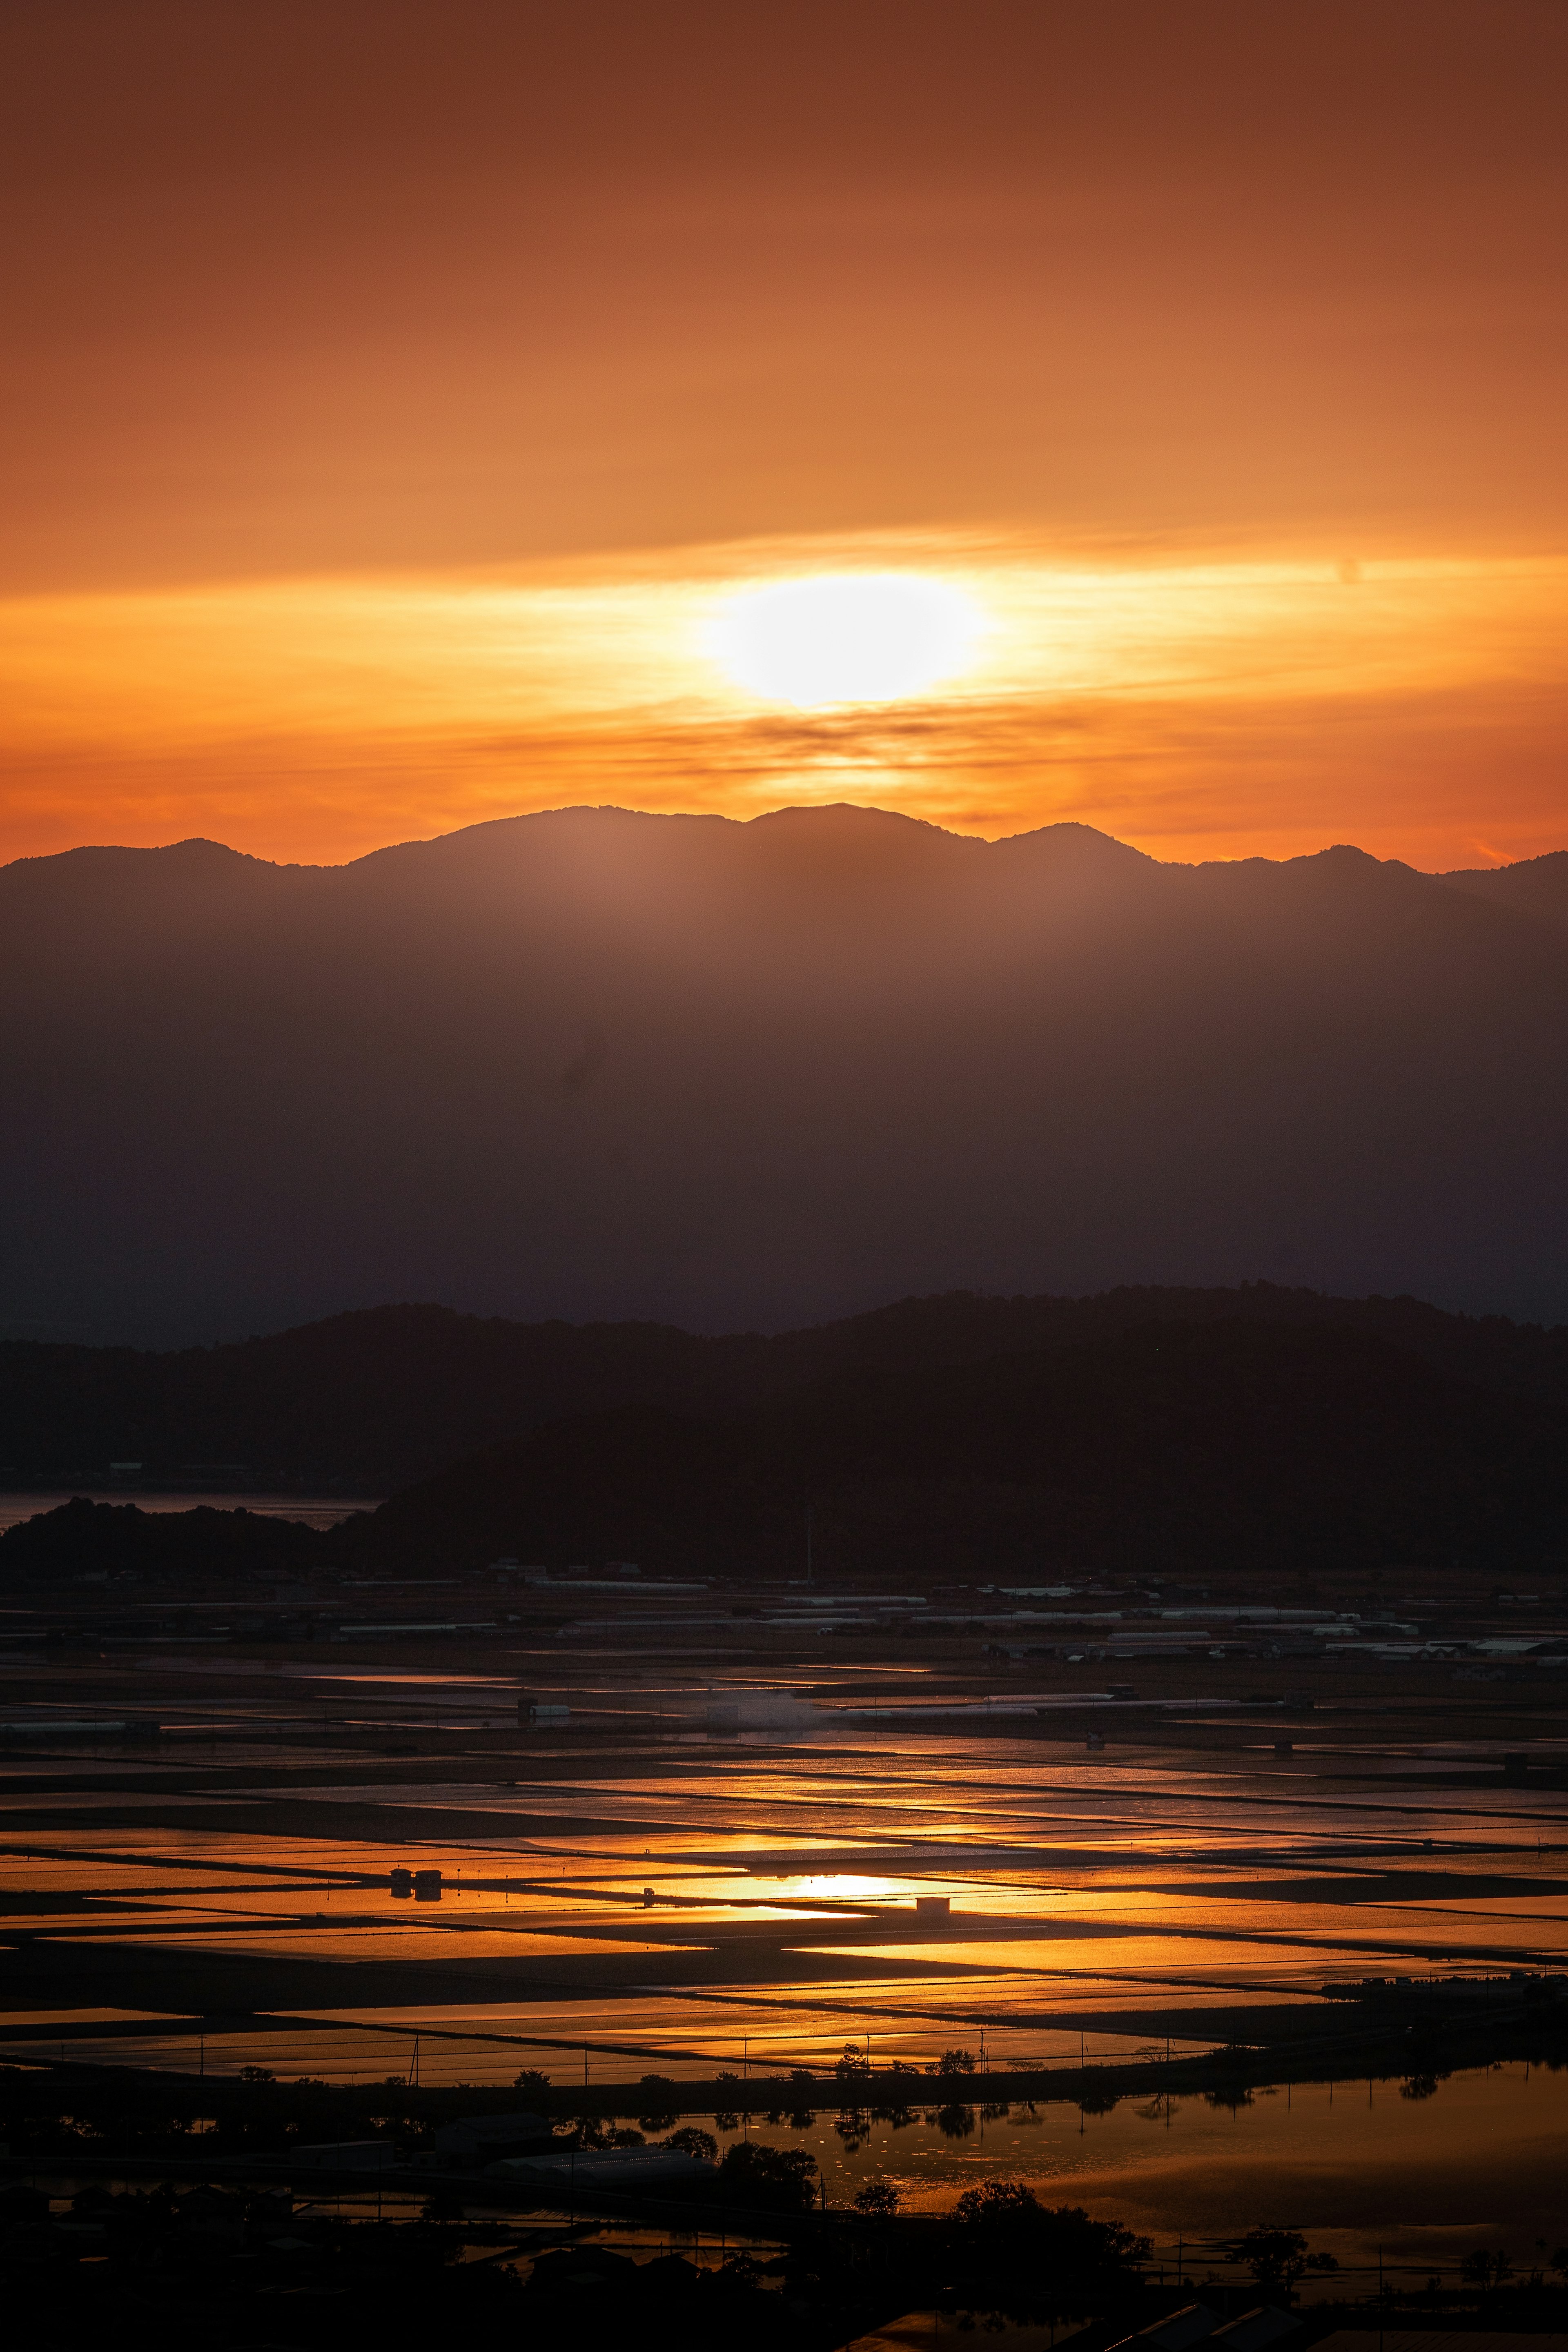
851, 636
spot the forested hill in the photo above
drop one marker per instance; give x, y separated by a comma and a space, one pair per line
377, 1400
1179, 1444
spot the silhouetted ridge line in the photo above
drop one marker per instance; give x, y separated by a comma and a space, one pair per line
377, 1398
592, 1063
1171, 1444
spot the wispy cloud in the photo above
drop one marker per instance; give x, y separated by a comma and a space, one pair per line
1194, 705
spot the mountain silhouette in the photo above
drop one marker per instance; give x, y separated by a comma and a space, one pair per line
1167, 1446
1171, 1446
598, 1064
377, 1400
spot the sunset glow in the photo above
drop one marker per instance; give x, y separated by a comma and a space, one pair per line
990, 683
1041, 431
783, 1289
859, 637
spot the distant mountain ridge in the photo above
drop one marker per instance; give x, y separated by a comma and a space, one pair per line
593, 1065
383, 1397
1534, 886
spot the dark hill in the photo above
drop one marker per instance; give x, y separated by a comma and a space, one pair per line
1534, 885
1171, 1444
595, 1065
375, 1399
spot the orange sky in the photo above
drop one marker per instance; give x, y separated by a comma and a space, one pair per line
391, 390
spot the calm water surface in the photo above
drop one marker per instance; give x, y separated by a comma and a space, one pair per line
625, 1902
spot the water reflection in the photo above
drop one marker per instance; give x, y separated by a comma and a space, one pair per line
1357, 2165
624, 1906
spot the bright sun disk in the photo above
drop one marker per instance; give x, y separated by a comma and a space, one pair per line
858, 636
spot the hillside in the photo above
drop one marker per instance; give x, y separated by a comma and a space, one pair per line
1175, 1445
594, 1065
1171, 1445
377, 1400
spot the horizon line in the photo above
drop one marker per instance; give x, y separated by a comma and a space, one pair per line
760, 816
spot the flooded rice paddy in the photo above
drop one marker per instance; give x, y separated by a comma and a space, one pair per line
632, 1891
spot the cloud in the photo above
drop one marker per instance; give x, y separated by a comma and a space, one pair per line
1195, 705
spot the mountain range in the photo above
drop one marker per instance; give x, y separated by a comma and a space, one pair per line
592, 1064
